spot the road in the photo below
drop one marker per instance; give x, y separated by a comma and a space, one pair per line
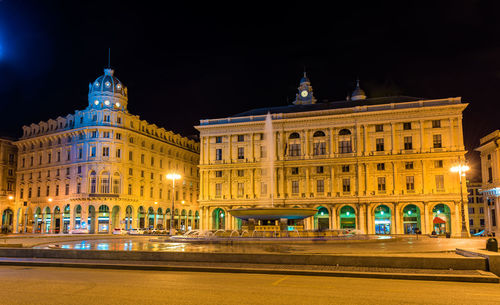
41, 285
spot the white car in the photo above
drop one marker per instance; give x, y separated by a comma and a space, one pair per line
136, 232
79, 231
119, 231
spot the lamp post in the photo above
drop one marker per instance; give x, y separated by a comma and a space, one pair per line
173, 177
461, 169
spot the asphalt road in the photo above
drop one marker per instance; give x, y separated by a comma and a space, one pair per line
39, 285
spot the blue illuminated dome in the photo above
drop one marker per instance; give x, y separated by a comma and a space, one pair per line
107, 91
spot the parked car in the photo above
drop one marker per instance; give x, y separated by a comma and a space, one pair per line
80, 231
136, 232
119, 231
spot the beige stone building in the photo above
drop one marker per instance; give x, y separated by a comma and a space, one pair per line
490, 169
380, 165
476, 207
8, 155
103, 168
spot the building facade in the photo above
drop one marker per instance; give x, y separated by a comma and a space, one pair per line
8, 155
103, 168
490, 169
380, 165
476, 207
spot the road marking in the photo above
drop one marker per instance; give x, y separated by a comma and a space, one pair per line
276, 283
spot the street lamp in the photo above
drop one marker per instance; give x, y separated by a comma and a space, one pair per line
173, 177
461, 169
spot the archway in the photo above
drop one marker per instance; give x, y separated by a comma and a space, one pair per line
160, 219
7, 219
168, 217
38, 221
29, 221
183, 220
128, 217
441, 219
176, 219
151, 218
190, 220
78, 217
196, 220
382, 215
66, 219
140, 216
91, 220
411, 219
46, 220
115, 219
57, 220
103, 219
321, 219
219, 218
347, 217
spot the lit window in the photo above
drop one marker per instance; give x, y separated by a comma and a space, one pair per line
117, 104
96, 84
106, 102
118, 86
108, 84
96, 102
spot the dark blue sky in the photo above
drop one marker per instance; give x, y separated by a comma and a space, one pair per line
185, 61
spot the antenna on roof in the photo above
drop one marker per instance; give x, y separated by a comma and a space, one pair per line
305, 71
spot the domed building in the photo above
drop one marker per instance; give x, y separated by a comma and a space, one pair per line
103, 168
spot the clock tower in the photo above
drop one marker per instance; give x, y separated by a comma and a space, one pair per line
305, 95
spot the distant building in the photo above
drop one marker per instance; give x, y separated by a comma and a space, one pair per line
8, 155
476, 207
380, 165
490, 168
103, 168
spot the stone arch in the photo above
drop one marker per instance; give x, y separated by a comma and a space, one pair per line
442, 222
103, 219
150, 218
411, 218
318, 133
345, 217
382, 216
141, 214
129, 212
218, 219
294, 135
322, 218
7, 220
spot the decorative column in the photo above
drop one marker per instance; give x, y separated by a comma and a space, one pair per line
71, 218
452, 140
369, 220
421, 136
397, 219
333, 218
84, 215
362, 219
427, 229
308, 188
393, 138
393, 219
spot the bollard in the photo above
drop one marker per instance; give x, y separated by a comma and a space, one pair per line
492, 244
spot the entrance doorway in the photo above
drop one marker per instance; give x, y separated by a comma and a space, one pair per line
382, 220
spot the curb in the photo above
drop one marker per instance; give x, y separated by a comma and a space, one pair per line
485, 278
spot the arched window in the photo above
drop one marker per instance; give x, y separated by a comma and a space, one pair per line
294, 145
294, 136
116, 183
93, 183
104, 183
345, 141
319, 133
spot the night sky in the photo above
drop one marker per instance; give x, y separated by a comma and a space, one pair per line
184, 61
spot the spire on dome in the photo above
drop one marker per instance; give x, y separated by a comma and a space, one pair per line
358, 93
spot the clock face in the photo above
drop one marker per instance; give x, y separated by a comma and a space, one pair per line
304, 93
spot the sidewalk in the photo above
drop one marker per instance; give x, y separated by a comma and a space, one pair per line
308, 270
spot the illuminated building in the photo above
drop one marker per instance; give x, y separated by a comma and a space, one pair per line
103, 168
380, 165
8, 154
490, 169
476, 207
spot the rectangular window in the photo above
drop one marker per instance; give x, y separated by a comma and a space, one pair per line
38, 192
11, 159
218, 154
440, 182
142, 158
218, 189
152, 161
118, 136
295, 187
263, 153
436, 141
142, 174
319, 148
345, 168
380, 166
241, 138
381, 184
67, 171
481, 222
57, 190
129, 189
92, 151
319, 169
407, 126
78, 188
490, 175
263, 188
142, 191
152, 176
295, 170
436, 124
438, 164
379, 144
105, 151
21, 193
94, 134
320, 186
379, 128
294, 150
241, 189
493, 218
241, 153
408, 165
410, 183
130, 171
408, 143
345, 147
218, 174
130, 156
105, 134
47, 191
80, 153
218, 139
66, 189
241, 173
106, 118
29, 192
471, 210
346, 185
49, 158
79, 169
118, 153
151, 191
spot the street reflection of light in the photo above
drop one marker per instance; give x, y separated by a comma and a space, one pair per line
103, 246
65, 247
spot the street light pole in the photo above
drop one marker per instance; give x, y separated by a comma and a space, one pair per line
172, 177
461, 169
